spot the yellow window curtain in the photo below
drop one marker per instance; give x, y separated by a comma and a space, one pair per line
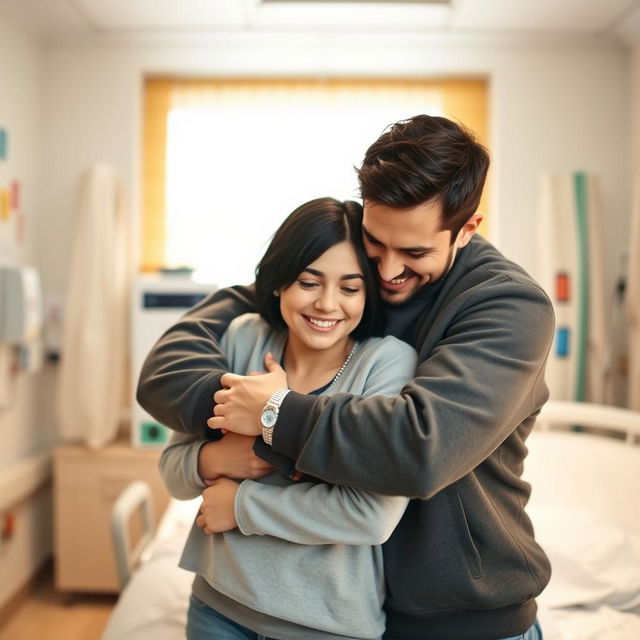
254, 145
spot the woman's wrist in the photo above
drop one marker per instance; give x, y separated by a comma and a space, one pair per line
208, 461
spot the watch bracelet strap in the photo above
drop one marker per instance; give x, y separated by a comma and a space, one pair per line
277, 398
274, 401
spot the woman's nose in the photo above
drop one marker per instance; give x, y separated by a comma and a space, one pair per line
326, 301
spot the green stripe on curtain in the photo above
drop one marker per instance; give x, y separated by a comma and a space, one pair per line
580, 185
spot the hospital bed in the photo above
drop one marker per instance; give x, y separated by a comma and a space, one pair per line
584, 465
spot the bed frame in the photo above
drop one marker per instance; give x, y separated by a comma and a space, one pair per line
586, 457
618, 422
136, 497
583, 458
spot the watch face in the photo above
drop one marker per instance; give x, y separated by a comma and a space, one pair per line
268, 418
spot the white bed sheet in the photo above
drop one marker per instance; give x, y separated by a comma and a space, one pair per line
585, 510
154, 602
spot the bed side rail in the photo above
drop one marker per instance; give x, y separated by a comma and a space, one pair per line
135, 496
586, 414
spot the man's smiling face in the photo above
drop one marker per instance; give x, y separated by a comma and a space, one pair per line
409, 247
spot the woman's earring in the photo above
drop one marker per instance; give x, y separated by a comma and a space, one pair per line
276, 293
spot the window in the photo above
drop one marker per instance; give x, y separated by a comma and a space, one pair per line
225, 161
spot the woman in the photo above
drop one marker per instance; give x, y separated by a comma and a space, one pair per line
298, 560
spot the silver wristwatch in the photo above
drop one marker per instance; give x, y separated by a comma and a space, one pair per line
269, 414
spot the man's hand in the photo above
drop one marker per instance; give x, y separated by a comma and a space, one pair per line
216, 511
232, 456
239, 404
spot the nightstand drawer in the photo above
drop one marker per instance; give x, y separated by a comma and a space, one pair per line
86, 484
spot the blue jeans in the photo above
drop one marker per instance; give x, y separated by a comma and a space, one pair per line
204, 623
533, 633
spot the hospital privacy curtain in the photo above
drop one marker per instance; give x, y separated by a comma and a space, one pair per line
464, 100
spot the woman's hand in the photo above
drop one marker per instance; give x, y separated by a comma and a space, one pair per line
239, 404
216, 511
231, 456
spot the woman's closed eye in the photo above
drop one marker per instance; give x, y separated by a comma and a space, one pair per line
308, 284
351, 290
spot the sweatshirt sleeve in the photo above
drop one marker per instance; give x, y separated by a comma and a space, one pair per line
183, 369
473, 386
179, 466
307, 513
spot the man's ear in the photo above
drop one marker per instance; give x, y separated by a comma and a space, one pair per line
468, 229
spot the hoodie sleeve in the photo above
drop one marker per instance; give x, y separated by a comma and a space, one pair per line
183, 369
481, 379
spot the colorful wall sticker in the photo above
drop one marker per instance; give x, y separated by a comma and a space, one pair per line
5, 205
15, 195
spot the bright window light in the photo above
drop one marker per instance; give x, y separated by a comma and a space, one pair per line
235, 170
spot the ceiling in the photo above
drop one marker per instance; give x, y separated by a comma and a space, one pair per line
63, 21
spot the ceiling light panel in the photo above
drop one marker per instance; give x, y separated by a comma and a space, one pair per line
351, 14
176, 15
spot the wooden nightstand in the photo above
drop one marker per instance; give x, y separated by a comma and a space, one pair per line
86, 484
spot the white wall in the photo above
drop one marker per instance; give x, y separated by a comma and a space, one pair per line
555, 105
24, 426
633, 346
635, 113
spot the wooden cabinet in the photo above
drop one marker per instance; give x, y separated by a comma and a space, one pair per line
86, 484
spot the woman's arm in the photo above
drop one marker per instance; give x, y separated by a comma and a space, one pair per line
308, 513
179, 466
188, 465
183, 369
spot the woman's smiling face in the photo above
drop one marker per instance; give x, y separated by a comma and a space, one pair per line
326, 301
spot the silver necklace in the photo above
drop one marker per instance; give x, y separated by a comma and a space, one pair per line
343, 367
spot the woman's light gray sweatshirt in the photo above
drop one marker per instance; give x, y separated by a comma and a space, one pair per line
305, 558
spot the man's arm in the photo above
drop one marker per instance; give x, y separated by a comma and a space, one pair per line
479, 381
183, 369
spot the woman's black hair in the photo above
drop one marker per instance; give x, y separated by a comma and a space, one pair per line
302, 238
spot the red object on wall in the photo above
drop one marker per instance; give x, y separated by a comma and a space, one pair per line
562, 287
8, 526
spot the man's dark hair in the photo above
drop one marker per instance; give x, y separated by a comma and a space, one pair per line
425, 158
302, 238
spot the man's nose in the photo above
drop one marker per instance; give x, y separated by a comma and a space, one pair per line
389, 267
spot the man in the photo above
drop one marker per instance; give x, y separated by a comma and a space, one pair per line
463, 562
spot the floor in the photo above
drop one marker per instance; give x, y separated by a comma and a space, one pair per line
49, 614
